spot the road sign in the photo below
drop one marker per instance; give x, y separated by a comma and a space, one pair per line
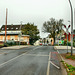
60, 42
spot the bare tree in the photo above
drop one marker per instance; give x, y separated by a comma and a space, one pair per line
53, 26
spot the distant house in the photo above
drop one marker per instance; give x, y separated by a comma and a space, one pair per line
13, 33
60, 35
69, 36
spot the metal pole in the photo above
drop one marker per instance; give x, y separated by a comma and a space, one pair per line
74, 17
67, 41
6, 25
71, 28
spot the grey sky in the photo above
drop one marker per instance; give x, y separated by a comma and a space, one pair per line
35, 11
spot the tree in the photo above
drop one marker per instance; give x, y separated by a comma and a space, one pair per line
31, 29
53, 26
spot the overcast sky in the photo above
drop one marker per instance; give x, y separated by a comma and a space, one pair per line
35, 11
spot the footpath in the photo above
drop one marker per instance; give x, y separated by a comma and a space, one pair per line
62, 47
63, 54
15, 47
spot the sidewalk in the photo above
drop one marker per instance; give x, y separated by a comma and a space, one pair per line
63, 55
69, 61
15, 47
62, 47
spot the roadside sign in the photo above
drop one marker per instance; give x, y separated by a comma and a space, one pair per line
60, 42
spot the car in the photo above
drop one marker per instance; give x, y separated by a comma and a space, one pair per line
40, 43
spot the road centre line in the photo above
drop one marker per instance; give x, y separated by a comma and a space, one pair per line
16, 57
48, 68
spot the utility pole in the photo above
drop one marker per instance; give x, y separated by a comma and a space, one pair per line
20, 33
6, 24
71, 27
74, 17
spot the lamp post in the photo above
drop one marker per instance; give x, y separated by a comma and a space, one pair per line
67, 35
71, 28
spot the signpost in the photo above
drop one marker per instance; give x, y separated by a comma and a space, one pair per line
67, 35
61, 42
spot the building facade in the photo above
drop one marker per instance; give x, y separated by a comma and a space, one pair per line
13, 33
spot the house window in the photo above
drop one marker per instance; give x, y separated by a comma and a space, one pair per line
16, 28
7, 28
2, 28
11, 28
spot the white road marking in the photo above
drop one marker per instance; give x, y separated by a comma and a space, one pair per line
55, 65
16, 57
60, 55
11, 60
48, 68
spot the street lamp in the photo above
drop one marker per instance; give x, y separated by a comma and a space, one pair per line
71, 28
67, 35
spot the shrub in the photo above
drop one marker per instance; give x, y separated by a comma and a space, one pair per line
69, 43
70, 57
23, 43
65, 41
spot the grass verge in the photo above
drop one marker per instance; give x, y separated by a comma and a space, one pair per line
71, 69
70, 57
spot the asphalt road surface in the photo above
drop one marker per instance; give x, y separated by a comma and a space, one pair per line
34, 60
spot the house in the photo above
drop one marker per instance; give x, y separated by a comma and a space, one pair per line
69, 36
13, 33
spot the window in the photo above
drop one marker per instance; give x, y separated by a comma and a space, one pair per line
2, 28
11, 28
16, 28
7, 28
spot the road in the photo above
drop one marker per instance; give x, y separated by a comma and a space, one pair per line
34, 60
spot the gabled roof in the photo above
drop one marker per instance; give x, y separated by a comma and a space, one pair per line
12, 27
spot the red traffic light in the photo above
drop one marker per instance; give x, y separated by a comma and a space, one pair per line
64, 26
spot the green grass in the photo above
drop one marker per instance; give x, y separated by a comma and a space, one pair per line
70, 57
71, 73
71, 69
1, 44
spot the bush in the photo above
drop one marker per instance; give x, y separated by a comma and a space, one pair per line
70, 57
23, 43
71, 68
1, 45
55, 44
69, 43
73, 43
65, 41
5, 44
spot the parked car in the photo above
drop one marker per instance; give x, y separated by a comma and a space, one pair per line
40, 43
